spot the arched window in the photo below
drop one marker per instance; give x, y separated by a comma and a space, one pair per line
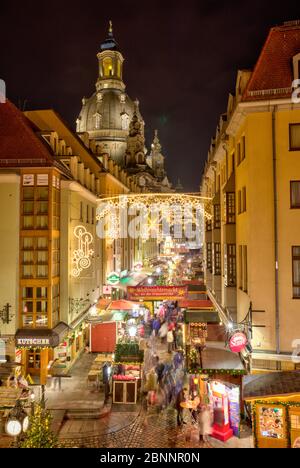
98, 121
108, 67
125, 121
119, 69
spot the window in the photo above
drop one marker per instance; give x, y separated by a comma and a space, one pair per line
27, 293
41, 293
241, 267
98, 121
243, 149
34, 360
233, 162
208, 225
217, 216
229, 208
294, 137
217, 259
27, 307
295, 194
108, 67
81, 212
245, 266
296, 272
242, 200
209, 256
125, 121
230, 265
238, 151
295, 422
93, 215
87, 214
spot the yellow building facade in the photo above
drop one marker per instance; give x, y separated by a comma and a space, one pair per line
252, 175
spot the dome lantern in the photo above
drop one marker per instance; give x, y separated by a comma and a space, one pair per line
110, 64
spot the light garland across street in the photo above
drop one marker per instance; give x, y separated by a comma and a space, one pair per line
156, 208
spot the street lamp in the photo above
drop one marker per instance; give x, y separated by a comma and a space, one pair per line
17, 422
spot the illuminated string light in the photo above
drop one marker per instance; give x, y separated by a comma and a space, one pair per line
82, 255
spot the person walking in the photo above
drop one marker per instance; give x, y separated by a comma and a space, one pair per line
159, 369
163, 332
156, 326
170, 341
179, 338
205, 424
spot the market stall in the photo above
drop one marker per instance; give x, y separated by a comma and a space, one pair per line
126, 385
127, 373
224, 400
274, 400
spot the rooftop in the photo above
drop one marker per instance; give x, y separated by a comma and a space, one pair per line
273, 74
20, 144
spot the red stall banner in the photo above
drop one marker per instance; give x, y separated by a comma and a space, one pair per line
157, 293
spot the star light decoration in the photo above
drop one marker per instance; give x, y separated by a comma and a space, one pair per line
82, 256
157, 208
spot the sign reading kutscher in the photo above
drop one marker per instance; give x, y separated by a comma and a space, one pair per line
33, 342
158, 293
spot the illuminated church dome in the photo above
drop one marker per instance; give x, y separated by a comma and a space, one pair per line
107, 114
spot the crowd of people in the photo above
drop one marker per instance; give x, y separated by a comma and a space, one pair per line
164, 380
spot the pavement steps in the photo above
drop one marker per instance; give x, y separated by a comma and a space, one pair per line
78, 414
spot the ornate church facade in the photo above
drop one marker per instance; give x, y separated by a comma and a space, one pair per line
114, 126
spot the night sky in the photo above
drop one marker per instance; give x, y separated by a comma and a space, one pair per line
181, 61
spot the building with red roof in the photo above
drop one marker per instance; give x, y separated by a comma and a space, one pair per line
252, 175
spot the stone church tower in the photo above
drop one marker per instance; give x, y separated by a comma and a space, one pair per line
156, 160
135, 153
107, 114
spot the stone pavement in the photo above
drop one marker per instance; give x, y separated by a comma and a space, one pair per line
136, 430
75, 393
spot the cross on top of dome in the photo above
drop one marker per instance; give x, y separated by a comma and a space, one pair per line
110, 43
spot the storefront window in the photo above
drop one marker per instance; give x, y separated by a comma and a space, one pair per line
27, 307
27, 293
271, 422
42, 306
41, 293
295, 422
34, 360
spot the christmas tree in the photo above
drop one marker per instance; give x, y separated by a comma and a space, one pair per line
39, 434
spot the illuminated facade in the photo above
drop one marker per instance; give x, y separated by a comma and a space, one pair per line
115, 126
253, 176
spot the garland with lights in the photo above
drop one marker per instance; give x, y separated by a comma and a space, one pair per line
210, 372
40, 434
127, 351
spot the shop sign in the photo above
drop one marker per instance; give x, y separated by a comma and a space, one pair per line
28, 180
124, 274
113, 279
33, 342
238, 342
156, 293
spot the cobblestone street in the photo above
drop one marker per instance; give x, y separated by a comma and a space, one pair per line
134, 429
